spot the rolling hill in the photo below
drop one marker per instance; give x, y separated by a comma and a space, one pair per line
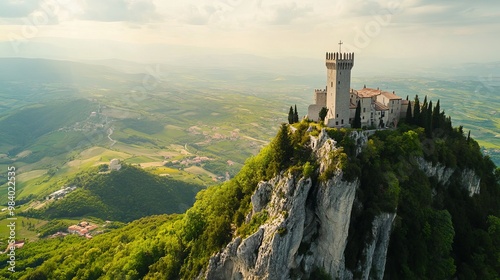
124, 195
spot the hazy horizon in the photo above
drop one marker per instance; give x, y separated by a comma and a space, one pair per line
398, 35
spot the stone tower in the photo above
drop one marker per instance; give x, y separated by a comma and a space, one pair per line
338, 85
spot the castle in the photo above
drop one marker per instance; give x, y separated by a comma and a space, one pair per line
378, 108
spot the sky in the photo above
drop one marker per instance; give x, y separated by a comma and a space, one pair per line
403, 32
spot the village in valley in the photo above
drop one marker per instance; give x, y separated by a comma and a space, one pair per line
83, 228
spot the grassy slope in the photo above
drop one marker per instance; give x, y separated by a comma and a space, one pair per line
123, 195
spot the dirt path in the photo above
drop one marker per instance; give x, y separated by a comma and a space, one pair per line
110, 132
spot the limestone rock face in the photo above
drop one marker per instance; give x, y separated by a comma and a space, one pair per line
468, 177
307, 228
298, 236
376, 251
441, 172
271, 252
308, 224
471, 181
334, 204
322, 147
360, 138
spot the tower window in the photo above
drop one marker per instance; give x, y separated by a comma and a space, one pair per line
337, 116
364, 110
332, 84
342, 121
339, 82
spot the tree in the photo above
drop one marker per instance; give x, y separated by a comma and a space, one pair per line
436, 119
322, 114
290, 115
428, 121
295, 115
282, 151
423, 113
409, 116
416, 111
356, 123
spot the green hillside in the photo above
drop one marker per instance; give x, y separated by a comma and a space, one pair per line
440, 235
124, 195
27, 125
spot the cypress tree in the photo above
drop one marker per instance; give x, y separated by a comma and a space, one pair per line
282, 151
428, 121
356, 123
409, 116
290, 115
423, 113
436, 119
295, 115
322, 114
416, 111
429, 116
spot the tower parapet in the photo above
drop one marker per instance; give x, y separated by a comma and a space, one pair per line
339, 61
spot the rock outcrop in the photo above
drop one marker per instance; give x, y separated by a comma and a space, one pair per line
376, 251
441, 172
471, 181
271, 252
468, 178
334, 201
307, 229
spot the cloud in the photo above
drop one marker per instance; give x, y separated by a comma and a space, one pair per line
17, 9
203, 15
287, 13
456, 13
120, 10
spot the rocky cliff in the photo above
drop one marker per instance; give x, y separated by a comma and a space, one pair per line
306, 231
468, 178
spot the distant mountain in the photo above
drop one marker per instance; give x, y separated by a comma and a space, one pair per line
60, 71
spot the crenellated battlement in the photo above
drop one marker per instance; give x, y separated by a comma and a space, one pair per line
335, 56
340, 61
320, 90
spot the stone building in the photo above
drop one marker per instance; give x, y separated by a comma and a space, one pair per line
115, 165
378, 108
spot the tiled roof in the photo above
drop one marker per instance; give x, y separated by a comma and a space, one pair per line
380, 107
390, 95
367, 92
371, 92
